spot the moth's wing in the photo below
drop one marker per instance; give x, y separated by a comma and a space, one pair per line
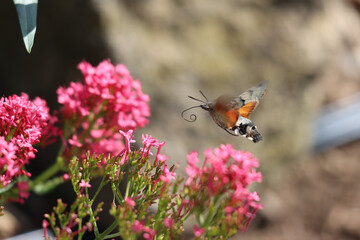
248, 101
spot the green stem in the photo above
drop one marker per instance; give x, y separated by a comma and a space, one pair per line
51, 171
113, 235
212, 210
92, 217
96, 230
107, 231
127, 189
103, 182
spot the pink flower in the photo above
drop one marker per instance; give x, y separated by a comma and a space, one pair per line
128, 140
137, 226
50, 132
21, 122
111, 95
168, 222
162, 158
192, 170
198, 231
148, 142
229, 172
45, 225
130, 202
84, 184
110, 143
66, 177
23, 190
149, 233
167, 175
74, 141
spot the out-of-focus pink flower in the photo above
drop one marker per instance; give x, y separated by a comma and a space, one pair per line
66, 177
162, 158
45, 225
84, 184
137, 226
21, 121
50, 132
192, 170
23, 190
130, 202
110, 143
167, 175
168, 222
149, 233
198, 231
74, 141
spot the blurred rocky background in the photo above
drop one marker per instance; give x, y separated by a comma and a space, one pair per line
307, 50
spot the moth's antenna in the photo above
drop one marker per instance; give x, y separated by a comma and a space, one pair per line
196, 99
203, 95
192, 117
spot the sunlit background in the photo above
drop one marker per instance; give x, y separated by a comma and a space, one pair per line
308, 51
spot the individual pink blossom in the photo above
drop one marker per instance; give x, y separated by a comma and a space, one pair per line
149, 233
66, 177
167, 175
45, 225
130, 202
148, 142
162, 158
128, 140
198, 231
137, 226
74, 141
84, 184
168, 222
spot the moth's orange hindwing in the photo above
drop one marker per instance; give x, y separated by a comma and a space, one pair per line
247, 109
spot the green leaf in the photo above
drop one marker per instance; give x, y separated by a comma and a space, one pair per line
27, 10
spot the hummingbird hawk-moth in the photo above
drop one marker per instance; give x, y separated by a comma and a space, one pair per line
232, 114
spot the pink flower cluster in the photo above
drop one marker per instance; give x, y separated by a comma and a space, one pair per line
227, 172
69, 231
109, 100
111, 88
149, 142
148, 232
21, 122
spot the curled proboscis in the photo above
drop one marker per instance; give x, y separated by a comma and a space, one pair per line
192, 117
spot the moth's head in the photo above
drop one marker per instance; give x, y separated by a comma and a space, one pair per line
207, 106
